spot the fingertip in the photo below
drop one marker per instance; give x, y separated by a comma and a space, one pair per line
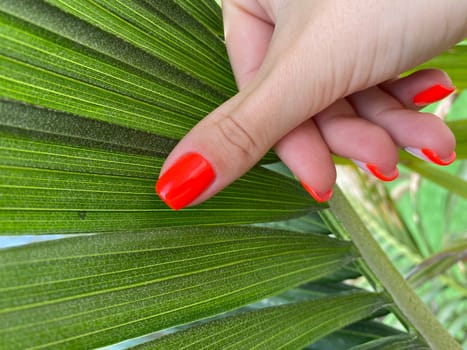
376, 171
368, 145
185, 180
432, 134
429, 155
432, 94
320, 197
306, 154
435, 158
420, 88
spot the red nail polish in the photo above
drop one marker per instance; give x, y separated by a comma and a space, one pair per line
317, 196
433, 156
435, 93
375, 171
185, 180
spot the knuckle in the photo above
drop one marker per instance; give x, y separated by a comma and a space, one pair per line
236, 136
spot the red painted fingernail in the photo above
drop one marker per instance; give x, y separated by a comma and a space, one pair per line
185, 180
384, 177
435, 93
431, 156
372, 169
319, 197
434, 157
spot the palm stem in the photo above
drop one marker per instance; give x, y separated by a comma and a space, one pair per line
404, 297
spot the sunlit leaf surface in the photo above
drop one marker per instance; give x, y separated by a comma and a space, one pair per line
85, 292
265, 328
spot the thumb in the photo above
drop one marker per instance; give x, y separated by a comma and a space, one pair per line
224, 145
235, 136
274, 99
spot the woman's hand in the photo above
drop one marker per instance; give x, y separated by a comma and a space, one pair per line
315, 78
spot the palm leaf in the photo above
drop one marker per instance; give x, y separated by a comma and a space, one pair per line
92, 291
398, 342
57, 73
52, 187
264, 328
353, 335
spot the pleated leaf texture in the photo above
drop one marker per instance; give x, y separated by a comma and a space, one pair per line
291, 326
104, 98
86, 293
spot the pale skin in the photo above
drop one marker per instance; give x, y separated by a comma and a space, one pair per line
318, 77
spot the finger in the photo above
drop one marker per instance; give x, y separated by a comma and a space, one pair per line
424, 134
306, 154
235, 136
420, 88
366, 143
248, 32
227, 143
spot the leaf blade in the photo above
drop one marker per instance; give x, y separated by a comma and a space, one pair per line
290, 326
66, 292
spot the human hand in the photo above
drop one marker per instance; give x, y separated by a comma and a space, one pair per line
314, 79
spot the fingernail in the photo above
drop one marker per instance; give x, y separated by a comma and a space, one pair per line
319, 197
185, 180
435, 93
430, 156
373, 170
